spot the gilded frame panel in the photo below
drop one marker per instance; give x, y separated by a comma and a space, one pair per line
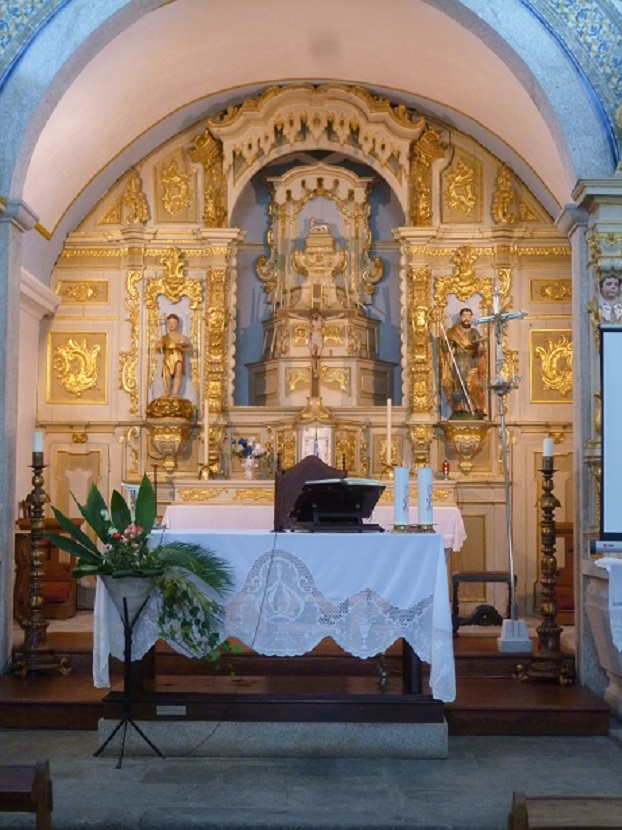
550, 366
77, 367
83, 292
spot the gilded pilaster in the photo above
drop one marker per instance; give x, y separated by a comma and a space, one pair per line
420, 388
219, 261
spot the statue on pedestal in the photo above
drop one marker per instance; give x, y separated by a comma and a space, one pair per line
463, 368
173, 346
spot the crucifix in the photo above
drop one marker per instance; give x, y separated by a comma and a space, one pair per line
501, 385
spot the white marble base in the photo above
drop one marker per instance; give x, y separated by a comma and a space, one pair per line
514, 637
597, 609
293, 740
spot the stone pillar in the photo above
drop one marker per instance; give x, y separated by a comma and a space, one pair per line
594, 228
15, 219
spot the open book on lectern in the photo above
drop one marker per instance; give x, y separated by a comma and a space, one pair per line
337, 505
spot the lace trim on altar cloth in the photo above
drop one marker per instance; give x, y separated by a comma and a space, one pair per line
280, 611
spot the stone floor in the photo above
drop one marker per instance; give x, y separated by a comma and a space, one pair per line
470, 790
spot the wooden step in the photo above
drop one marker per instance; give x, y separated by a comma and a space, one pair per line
489, 701
503, 706
274, 699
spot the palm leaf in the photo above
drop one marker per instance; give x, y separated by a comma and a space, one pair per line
146, 506
74, 531
197, 560
74, 548
94, 511
119, 511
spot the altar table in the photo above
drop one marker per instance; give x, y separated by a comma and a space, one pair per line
447, 519
291, 590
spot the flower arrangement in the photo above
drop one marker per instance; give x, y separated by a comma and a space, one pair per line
185, 614
247, 448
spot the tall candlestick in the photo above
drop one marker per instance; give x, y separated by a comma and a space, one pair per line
424, 503
389, 448
547, 448
400, 495
37, 442
206, 433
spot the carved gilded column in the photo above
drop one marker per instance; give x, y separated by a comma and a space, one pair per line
417, 356
220, 264
136, 239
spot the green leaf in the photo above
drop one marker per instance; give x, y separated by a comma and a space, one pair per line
92, 512
74, 531
82, 569
74, 548
119, 511
146, 506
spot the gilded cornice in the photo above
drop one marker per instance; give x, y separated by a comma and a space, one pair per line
491, 251
116, 252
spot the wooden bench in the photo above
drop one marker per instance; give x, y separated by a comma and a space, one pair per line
27, 789
484, 614
557, 812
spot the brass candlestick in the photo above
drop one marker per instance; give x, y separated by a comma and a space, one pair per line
548, 659
33, 656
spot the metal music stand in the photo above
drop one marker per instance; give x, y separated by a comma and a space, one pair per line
126, 720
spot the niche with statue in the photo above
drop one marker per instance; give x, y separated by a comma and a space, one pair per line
319, 340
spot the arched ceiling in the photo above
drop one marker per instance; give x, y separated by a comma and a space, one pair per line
189, 58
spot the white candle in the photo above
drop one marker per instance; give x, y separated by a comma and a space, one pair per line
37, 442
401, 484
205, 433
389, 448
547, 448
424, 503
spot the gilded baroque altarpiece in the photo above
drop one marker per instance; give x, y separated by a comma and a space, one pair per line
305, 199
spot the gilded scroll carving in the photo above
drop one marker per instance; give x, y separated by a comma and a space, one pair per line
175, 185
503, 201
216, 324
76, 365
128, 360
81, 292
421, 436
556, 365
207, 151
420, 395
134, 200
425, 151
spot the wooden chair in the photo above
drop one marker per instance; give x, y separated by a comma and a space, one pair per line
288, 484
27, 789
59, 587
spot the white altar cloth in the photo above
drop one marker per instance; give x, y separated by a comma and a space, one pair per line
291, 590
447, 519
